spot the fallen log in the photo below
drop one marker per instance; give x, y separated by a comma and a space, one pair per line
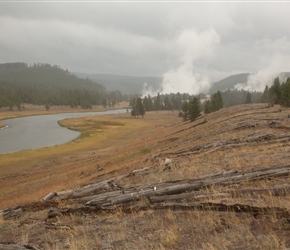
219, 207
49, 196
91, 189
156, 193
13, 212
14, 246
178, 187
278, 190
195, 125
224, 144
246, 126
216, 207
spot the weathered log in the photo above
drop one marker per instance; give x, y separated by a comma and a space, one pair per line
195, 125
272, 119
178, 187
224, 144
13, 246
9, 213
91, 189
220, 207
106, 185
246, 126
278, 190
174, 190
217, 207
49, 196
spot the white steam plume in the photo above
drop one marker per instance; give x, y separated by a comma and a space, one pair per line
276, 61
192, 47
265, 76
148, 90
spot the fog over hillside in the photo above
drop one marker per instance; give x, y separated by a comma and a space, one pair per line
152, 85
126, 84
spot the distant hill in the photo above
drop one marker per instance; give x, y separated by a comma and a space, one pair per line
229, 82
44, 75
283, 76
44, 84
134, 84
126, 84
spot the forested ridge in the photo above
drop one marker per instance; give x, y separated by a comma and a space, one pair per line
277, 93
44, 84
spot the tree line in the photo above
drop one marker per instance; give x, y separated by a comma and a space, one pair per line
189, 106
43, 84
232, 97
277, 93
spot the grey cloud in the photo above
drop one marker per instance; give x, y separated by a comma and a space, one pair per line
141, 38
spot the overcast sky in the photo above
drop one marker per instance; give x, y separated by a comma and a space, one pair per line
193, 43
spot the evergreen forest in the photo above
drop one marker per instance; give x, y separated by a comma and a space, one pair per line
277, 93
44, 84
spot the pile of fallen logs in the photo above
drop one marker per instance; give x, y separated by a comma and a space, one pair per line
181, 194
225, 144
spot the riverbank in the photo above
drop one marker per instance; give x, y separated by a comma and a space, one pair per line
106, 140
29, 110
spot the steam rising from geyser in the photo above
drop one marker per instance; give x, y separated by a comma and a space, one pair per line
274, 59
265, 76
187, 78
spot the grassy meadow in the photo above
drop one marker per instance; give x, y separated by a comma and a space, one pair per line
240, 139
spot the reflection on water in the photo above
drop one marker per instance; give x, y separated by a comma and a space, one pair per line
33, 132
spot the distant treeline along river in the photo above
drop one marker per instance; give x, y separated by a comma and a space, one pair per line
32, 132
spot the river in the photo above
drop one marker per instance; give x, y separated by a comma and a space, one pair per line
32, 132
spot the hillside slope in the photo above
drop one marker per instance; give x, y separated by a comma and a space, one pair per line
229, 82
126, 84
221, 182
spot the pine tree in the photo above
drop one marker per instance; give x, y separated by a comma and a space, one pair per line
285, 96
47, 107
208, 107
266, 95
149, 103
140, 107
167, 103
184, 109
275, 91
217, 101
178, 101
194, 109
104, 103
248, 97
137, 107
157, 102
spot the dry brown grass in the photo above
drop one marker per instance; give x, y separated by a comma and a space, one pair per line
120, 144
156, 230
111, 141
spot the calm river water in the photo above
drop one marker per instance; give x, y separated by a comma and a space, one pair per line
40, 131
